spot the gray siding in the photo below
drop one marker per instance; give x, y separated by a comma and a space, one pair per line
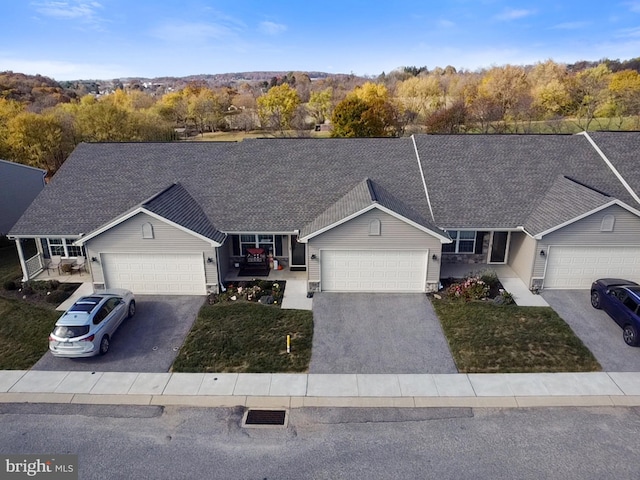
395, 235
127, 238
522, 250
19, 185
586, 232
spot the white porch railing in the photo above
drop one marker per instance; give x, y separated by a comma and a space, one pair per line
34, 265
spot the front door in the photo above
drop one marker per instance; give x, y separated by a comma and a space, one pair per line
298, 254
499, 247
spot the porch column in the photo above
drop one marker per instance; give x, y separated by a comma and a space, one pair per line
23, 264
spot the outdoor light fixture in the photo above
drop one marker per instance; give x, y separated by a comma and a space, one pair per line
94, 259
434, 257
209, 260
314, 256
542, 253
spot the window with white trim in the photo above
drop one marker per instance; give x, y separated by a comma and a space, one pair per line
464, 241
268, 242
64, 247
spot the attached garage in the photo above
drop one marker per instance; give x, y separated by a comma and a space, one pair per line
577, 267
373, 270
154, 274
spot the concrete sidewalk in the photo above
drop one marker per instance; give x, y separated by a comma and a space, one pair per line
322, 390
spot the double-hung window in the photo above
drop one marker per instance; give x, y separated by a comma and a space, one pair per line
464, 241
64, 247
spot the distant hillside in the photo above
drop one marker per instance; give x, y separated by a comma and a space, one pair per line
37, 91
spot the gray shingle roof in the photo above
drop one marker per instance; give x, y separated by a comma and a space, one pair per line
176, 205
274, 185
281, 185
363, 195
565, 200
496, 181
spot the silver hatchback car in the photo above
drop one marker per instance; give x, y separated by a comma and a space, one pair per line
86, 328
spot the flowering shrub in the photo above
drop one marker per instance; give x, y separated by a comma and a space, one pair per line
472, 288
262, 291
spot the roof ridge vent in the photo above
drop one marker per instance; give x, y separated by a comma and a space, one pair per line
586, 186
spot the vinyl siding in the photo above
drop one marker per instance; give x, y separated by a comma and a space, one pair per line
394, 235
586, 232
521, 255
127, 238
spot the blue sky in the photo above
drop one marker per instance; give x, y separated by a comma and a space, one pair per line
104, 39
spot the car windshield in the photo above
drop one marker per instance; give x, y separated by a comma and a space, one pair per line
86, 304
62, 331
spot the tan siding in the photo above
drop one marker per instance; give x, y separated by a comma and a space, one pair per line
521, 255
586, 232
626, 230
395, 235
127, 238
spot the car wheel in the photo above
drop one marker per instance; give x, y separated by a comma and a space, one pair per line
595, 299
104, 345
132, 309
630, 335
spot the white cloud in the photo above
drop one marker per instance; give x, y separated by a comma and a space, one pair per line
179, 32
446, 23
633, 6
59, 70
571, 25
73, 9
271, 28
511, 14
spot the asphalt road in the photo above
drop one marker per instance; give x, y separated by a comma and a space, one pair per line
596, 329
377, 333
444, 443
147, 342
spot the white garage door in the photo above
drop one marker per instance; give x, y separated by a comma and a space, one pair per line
373, 270
578, 267
169, 274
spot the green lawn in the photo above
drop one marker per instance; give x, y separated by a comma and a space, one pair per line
24, 333
247, 337
487, 338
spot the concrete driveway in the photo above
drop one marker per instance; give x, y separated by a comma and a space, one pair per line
596, 329
148, 342
377, 333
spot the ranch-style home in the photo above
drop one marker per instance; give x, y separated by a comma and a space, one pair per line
357, 215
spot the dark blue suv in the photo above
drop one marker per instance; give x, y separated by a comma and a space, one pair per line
620, 299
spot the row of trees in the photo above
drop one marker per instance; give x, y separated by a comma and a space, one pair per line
506, 99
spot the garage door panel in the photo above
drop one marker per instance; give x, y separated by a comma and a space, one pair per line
169, 274
373, 270
578, 267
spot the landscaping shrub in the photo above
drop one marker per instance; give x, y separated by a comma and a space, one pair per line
10, 285
251, 292
57, 296
490, 277
472, 288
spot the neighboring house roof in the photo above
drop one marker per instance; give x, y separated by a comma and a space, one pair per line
361, 198
565, 201
496, 181
19, 185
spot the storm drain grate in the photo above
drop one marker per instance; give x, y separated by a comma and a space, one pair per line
266, 418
